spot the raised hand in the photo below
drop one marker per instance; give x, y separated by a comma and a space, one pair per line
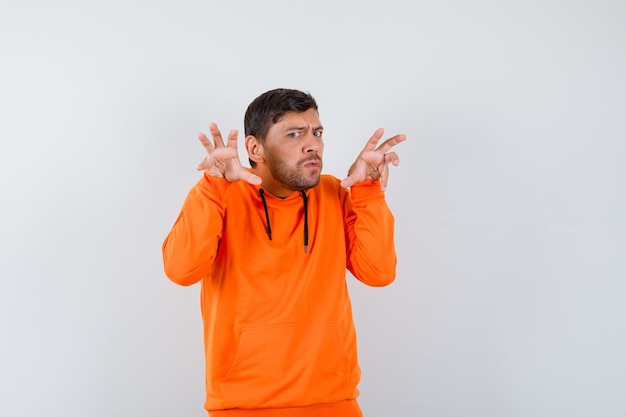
223, 161
373, 162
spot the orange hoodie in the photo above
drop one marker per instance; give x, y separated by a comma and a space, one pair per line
278, 329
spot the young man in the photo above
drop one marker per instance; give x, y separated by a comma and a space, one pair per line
270, 245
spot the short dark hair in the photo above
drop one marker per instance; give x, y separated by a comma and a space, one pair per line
268, 108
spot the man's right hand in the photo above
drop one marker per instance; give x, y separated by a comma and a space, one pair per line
222, 161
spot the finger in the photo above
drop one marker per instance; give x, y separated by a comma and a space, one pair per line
390, 143
348, 181
217, 136
232, 139
208, 146
250, 177
384, 177
392, 158
205, 142
373, 140
205, 164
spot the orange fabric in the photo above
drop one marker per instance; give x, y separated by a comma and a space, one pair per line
348, 408
278, 324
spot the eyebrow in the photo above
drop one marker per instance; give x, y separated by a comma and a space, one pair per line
293, 128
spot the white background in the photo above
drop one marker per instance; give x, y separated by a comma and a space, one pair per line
510, 298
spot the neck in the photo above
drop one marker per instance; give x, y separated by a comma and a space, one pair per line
270, 184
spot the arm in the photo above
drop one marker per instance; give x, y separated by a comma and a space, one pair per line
369, 229
191, 246
368, 222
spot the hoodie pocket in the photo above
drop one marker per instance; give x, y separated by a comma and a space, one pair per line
288, 365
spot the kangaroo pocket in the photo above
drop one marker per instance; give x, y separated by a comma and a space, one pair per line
288, 365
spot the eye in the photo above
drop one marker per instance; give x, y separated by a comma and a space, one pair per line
317, 133
294, 134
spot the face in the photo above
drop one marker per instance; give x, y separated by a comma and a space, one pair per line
293, 152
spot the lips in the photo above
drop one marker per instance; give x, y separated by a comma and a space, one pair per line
314, 162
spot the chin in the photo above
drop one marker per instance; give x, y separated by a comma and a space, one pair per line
309, 183
314, 182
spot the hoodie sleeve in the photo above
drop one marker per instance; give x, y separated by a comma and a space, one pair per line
369, 230
191, 246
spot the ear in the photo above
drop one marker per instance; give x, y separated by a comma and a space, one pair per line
254, 148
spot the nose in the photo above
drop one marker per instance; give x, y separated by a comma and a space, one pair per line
313, 143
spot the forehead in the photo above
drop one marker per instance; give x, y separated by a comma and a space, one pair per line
292, 119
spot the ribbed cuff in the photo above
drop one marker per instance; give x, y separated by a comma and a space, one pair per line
367, 190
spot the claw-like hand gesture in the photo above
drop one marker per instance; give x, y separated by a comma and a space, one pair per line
373, 163
223, 161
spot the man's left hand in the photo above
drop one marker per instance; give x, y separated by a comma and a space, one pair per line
373, 162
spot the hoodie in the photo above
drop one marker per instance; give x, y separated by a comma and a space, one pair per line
278, 329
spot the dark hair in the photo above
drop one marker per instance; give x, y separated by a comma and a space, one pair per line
268, 108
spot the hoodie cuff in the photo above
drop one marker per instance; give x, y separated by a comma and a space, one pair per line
214, 186
367, 190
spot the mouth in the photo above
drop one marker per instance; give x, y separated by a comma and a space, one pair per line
315, 162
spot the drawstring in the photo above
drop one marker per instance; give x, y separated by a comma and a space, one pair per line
306, 222
267, 215
306, 218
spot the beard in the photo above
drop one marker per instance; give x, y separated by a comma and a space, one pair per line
292, 177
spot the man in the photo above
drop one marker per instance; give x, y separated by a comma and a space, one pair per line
270, 245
